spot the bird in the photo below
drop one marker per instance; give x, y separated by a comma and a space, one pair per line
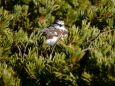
54, 32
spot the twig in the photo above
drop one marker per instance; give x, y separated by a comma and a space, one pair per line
20, 52
28, 42
25, 48
93, 39
87, 49
54, 47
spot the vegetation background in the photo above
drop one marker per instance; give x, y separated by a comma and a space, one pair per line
85, 58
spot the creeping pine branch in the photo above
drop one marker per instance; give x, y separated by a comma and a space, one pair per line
93, 39
23, 54
25, 48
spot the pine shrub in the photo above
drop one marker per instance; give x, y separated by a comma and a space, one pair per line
85, 58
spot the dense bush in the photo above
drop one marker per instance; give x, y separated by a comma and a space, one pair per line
85, 58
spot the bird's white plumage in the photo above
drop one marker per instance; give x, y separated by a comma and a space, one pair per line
52, 41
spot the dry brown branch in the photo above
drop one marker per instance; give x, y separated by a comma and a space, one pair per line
94, 38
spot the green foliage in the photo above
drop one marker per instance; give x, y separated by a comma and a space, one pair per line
85, 58
8, 76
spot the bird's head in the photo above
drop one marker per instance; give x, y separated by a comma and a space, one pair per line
60, 22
